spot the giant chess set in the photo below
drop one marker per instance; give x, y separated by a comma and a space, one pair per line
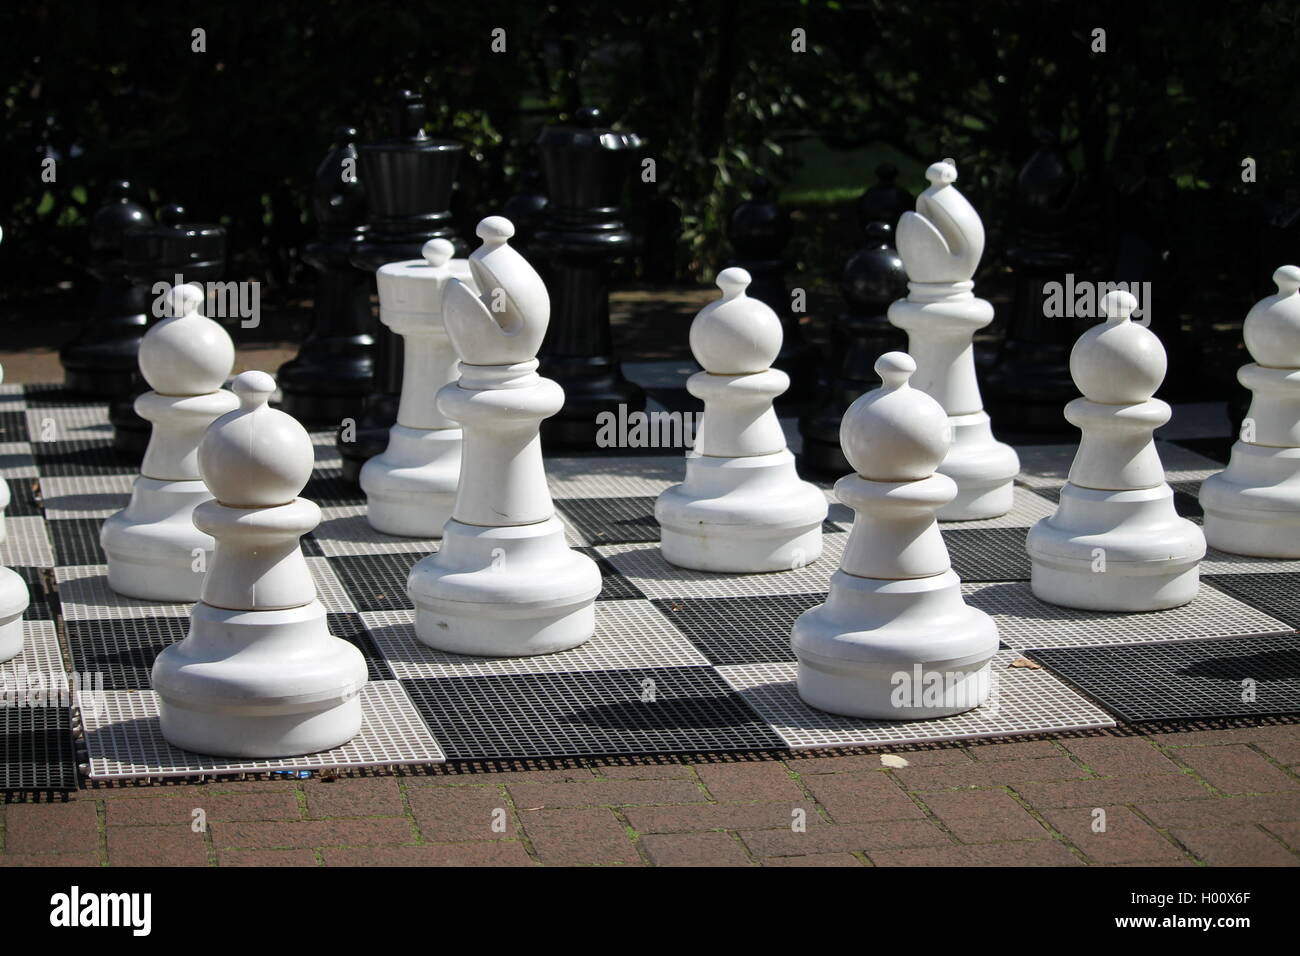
235, 603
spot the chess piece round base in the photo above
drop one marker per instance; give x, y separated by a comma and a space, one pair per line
411, 488
13, 602
741, 515
259, 684
504, 592
150, 544
908, 649
1145, 557
1253, 507
983, 468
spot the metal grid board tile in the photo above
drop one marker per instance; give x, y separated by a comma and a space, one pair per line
1022, 701
350, 534
69, 423
48, 394
39, 663
1277, 595
589, 713
76, 541
1027, 509
987, 554
375, 582
1247, 676
327, 487
36, 750
1222, 563
16, 460
350, 627
22, 497
613, 586
644, 566
611, 520
82, 457
739, 630
43, 600
124, 740
85, 496
614, 476
86, 596
629, 635
121, 652
1024, 621
27, 543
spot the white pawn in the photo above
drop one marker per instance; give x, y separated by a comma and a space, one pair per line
940, 245
411, 487
1253, 506
894, 639
154, 550
1115, 542
504, 582
742, 507
259, 674
14, 597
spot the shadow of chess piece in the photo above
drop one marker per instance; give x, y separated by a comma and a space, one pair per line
334, 369
873, 278
1030, 382
101, 360
587, 167
408, 181
173, 251
759, 230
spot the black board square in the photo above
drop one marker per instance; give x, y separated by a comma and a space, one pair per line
22, 498
44, 604
82, 456
588, 713
613, 585
739, 630
988, 554
121, 651
1276, 594
1183, 680
76, 541
36, 751
376, 582
349, 627
612, 520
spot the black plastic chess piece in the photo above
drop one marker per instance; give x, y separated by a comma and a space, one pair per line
525, 208
408, 181
101, 360
759, 231
334, 370
587, 167
884, 202
873, 277
1029, 383
172, 251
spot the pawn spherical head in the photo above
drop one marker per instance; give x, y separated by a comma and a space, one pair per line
255, 456
1272, 329
895, 368
185, 299
941, 173
186, 353
1287, 279
494, 230
736, 334
895, 432
1118, 306
437, 252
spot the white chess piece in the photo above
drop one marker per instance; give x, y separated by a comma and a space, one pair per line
411, 487
894, 639
259, 674
154, 550
504, 582
1253, 506
1115, 542
13, 591
742, 507
940, 245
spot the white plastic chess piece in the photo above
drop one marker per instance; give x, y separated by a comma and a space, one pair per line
259, 674
154, 550
894, 639
1253, 506
1115, 542
940, 245
504, 582
411, 487
742, 507
4, 489
14, 597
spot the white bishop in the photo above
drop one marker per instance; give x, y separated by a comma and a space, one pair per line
154, 550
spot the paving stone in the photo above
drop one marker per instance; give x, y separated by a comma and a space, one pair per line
266, 858
984, 816
368, 797
312, 833
178, 809
991, 773
698, 818
1121, 756
456, 814
49, 859
1223, 811
1023, 853
156, 846
1288, 832
645, 772
1235, 768
1176, 737
847, 837
861, 763
577, 837
1127, 837
612, 793
70, 827
1017, 750
460, 854
862, 797
814, 859
1283, 751
750, 783
1113, 790
1236, 846
694, 849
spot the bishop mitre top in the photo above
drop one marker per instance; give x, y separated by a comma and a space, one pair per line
941, 241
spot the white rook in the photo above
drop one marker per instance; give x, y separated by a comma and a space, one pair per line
13, 592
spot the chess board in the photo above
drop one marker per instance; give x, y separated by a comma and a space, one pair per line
681, 662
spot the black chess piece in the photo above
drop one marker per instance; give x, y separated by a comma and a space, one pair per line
334, 370
172, 251
586, 166
408, 181
526, 208
101, 360
885, 201
1029, 383
759, 230
873, 277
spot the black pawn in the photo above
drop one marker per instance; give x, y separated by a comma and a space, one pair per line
174, 250
873, 278
408, 181
333, 371
1029, 383
759, 231
587, 167
101, 360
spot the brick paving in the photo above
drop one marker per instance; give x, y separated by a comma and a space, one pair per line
1190, 797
